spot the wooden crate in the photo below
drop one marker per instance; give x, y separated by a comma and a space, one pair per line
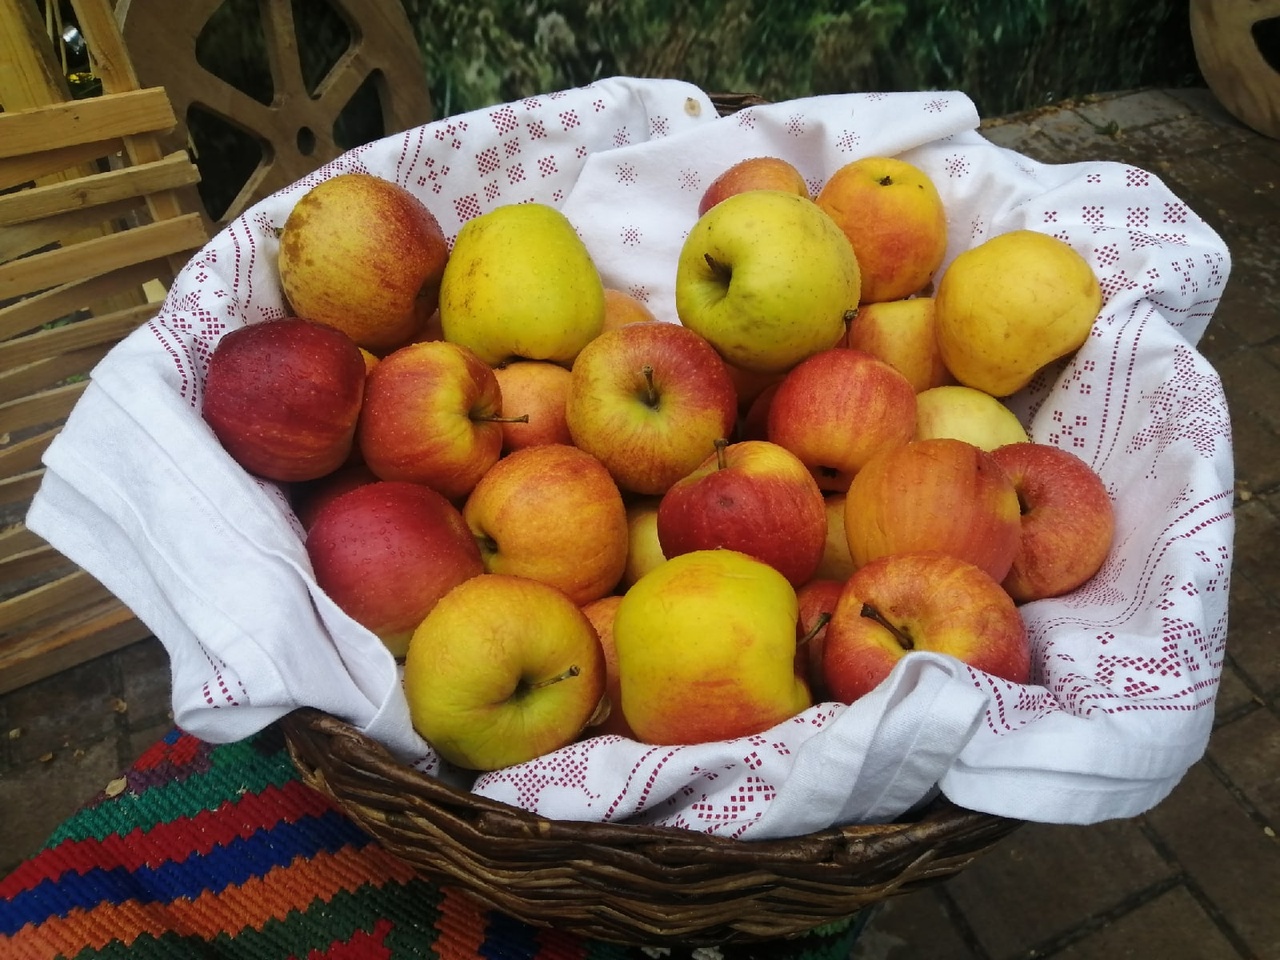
91, 227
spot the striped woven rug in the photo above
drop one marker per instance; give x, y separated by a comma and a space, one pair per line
202, 851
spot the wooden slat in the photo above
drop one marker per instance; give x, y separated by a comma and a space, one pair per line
24, 456
18, 539
42, 561
45, 344
80, 121
75, 589
43, 374
15, 171
175, 170
44, 270
75, 633
80, 294
49, 406
65, 229
21, 488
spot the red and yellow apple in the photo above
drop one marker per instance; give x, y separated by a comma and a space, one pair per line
966, 413
901, 333
753, 173
537, 389
308, 498
817, 600
837, 562
908, 602
601, 613
621, 309
644, 549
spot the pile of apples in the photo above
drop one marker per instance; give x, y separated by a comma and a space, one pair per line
571, 519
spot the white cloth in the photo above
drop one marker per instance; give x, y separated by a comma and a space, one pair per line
1125, 670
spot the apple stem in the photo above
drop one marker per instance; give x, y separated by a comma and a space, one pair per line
849, 317
823, 619
571, 672
721, 460
491, 418
719, 270
886, 181
903, 638
651, 392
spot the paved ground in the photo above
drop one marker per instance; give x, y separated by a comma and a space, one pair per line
1197, 878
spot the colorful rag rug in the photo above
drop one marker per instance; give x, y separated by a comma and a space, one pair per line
203, 851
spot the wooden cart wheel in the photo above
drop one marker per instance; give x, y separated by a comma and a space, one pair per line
1226, 41
296, 130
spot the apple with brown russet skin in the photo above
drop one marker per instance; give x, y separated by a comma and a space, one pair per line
363, 254
941, 495
649, 400
504, 669
837, 409
536, 389
386, 552
1067, 525
753, 173
817, 600
551, 513
601, 613
432, 414
754, 497
902, 333
909, 602
893, 215
283, 397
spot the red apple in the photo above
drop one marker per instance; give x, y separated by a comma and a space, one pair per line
817, 599
753, 173
1067, 525
432, 414
754, 497
551, 513
837, 409
920, 602
283, 397
386, 552
649, 400
310, 497
536, 389
941, 495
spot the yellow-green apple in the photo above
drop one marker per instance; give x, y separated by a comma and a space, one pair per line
753, 173
644, 549
839, 408
649, 400
621, 308
836, 562
941, 495
707, 649
521, 283
601, 613
363, 254
309, 497
767, 278
551, 513
902, 334
432, 414
502, 670
754, 497
908, 602
283, 397
1068, 520
386, 552
893, 215
1010, 306
817, 600
966, 413
537, 389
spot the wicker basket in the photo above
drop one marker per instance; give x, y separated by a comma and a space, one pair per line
627, 883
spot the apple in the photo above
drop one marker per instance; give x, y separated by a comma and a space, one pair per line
309, 497
966, 413
551, 513
432, 414
1067, 525
837, 409
767, 278
753, 173
520, 283
283, 397
706, 647
894, 217
754, 497
903, 334
817, 601
836, 562
621, 308
386, 552
502, 670
941, 495
644, 549
751, 385
601, 613
364, 255
908, 602
536, 389
649, 400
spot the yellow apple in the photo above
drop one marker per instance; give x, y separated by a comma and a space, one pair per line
966, 414
837, 563
903, 334
621, 308
706, 647
644, 549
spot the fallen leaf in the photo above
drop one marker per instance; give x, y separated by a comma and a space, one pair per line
115, 787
